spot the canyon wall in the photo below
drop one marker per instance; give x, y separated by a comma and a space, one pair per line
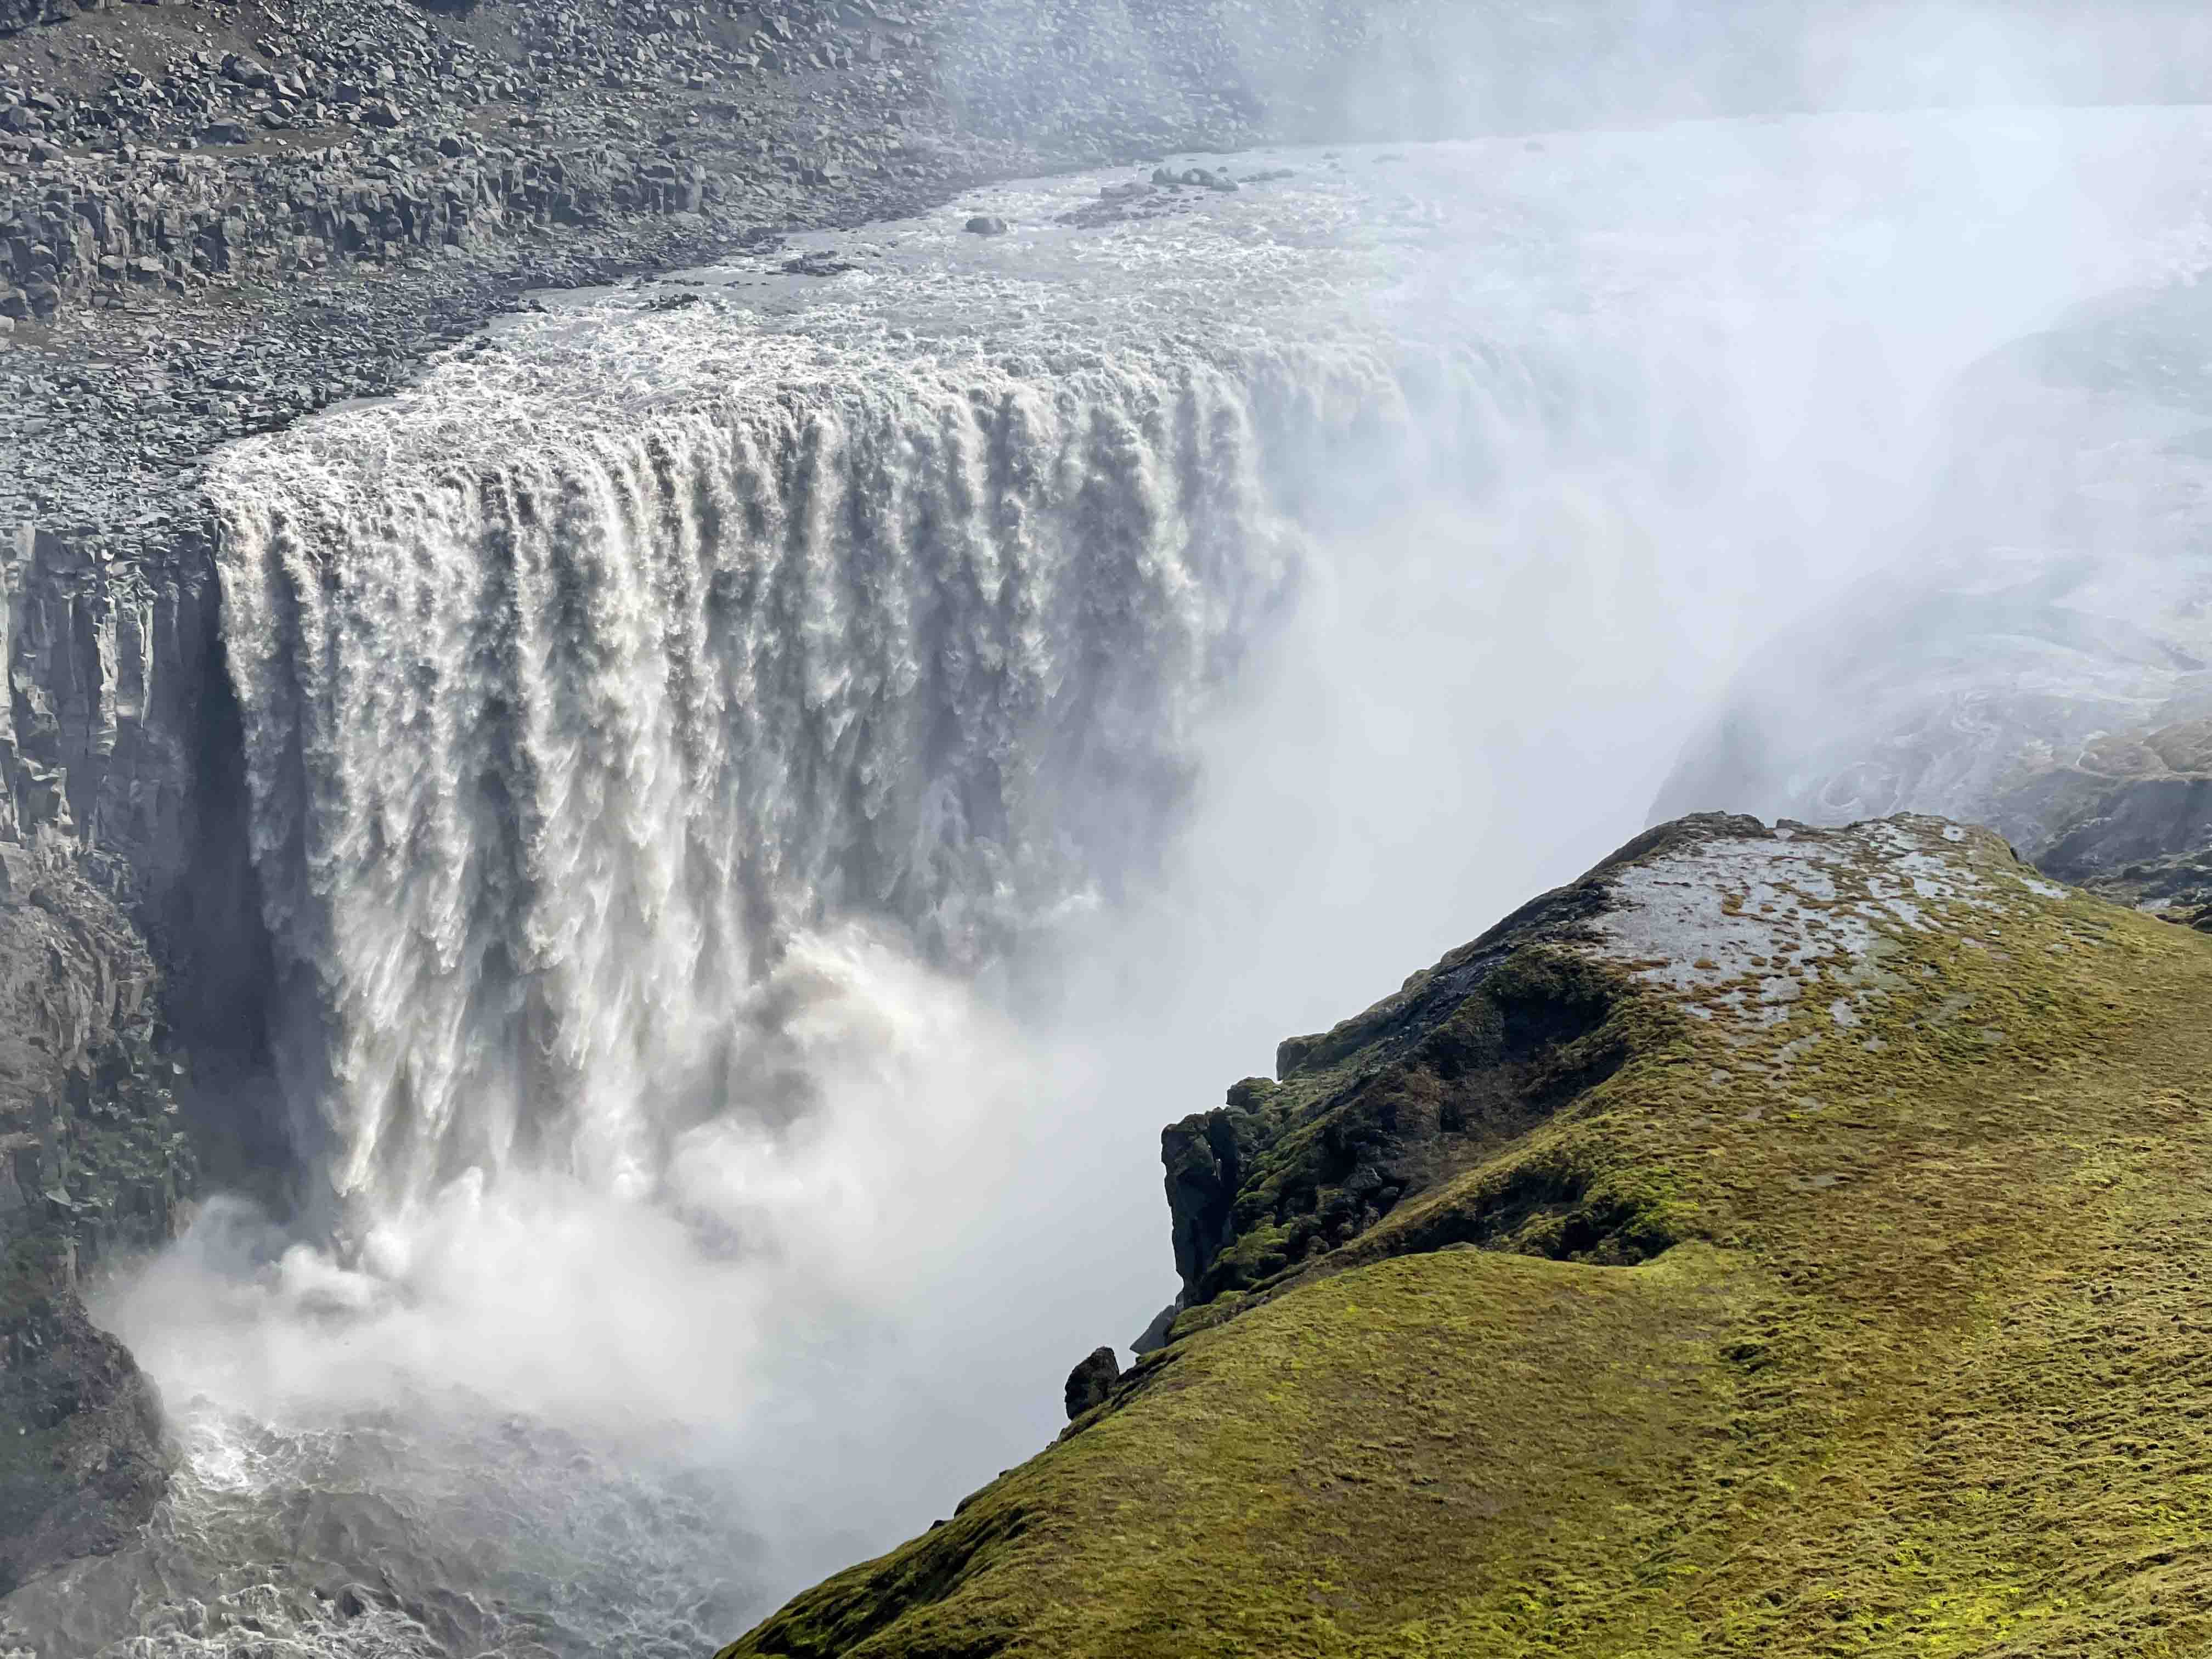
96, 1163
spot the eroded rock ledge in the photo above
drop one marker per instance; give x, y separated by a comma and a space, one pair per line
1714, 1257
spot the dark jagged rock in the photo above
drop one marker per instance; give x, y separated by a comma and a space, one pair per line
1155, 1335
94, 1165
85, 1456
1391, 1104
1092, 1381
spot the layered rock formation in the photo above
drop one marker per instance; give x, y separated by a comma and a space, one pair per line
109, 667
212, 222
1779, 1241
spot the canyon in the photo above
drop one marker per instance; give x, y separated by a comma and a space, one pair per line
565, 568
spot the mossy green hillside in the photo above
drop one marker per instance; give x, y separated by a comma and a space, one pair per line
1913, 1152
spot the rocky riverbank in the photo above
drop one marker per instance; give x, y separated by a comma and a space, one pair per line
216, 218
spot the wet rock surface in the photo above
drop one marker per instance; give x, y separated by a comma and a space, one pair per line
91, 1456
217, 219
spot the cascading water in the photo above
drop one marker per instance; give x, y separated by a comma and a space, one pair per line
551, 755
671, 724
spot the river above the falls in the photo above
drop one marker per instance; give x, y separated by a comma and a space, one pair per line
771, 784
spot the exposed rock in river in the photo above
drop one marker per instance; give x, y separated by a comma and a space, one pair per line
1715, 1255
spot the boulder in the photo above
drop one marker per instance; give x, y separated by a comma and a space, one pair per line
1091, 1381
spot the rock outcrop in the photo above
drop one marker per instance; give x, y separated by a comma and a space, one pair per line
90, 1456
108, 667
1716, 1256
1092, 1381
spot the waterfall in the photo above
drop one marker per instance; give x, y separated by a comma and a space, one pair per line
553, 739
672, 723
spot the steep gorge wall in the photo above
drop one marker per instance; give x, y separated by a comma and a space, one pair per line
120, 737
96, 1163
114, 829
113, 832
109, 666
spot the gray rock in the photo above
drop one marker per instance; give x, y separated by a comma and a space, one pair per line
987, 224
84, 1456
1155, 1335
93, 1165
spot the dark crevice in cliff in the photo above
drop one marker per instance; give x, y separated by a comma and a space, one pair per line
207, 931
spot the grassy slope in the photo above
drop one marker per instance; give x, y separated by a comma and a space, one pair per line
1932, 1376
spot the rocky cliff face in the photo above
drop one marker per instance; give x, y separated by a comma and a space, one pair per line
128, 935
95, 1163
1714, 1257
108, 666
91, 1455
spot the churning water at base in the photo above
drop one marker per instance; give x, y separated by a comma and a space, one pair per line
738, 764
422, 1528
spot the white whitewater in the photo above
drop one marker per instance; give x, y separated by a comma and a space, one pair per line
638, 641
553, 751
670, 721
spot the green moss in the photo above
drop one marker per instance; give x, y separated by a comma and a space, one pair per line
1385, 1106
1404, 1408
1928, 1370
